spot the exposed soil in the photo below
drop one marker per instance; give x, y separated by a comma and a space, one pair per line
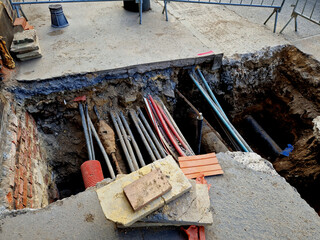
279, 87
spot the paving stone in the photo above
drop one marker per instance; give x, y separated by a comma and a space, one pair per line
146, 189
192, 208
27, 36
25, 47
115, 204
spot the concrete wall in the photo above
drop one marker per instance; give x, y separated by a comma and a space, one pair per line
6, 17
25, 175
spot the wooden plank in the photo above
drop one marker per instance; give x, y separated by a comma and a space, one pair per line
196, 163
209, 173
146, 189
201, 169
197, 157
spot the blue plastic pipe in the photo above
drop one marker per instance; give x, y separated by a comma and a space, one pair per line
221, 110
221, 117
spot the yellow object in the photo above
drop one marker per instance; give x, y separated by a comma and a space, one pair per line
5, 55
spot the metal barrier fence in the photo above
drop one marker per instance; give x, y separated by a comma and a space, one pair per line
275, 4
308, 9
16, 4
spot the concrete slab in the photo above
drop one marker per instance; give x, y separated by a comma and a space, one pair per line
115, 204
307, 37
192, 208
112, 36
250, 201
103, 36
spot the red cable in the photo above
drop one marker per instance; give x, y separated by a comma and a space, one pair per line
172, 128
174, 142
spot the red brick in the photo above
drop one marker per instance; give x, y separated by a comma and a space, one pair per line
22, 171
25, 192
27, 119
30, 202
146, 189
18, 133
20, 21
30, 178
23, 133
14, 137
34, 151
17, 204
21, 187
16, 192
29, 142
10, 200
30, 190
28, 164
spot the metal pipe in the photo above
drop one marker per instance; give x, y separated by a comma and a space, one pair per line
90, 134
264, 136
216, 109
165, 127
85, 130
96, 111
199, 132
153, 136
123, 145
134, 143
126, 140
95, 134
144, 140
146, 134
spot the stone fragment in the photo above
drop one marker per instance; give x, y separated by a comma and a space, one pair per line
192, 208
27, 36
115, 204
30, 55
146, 189
25, 47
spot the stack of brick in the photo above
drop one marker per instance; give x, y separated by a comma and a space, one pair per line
26, 45
27, 177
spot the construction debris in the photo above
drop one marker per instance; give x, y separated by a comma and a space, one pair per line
115, 204
146, 189
192, 208
26, 45
206, 164
5, 55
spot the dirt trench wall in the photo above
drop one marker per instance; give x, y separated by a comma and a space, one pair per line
25, 176
283, 83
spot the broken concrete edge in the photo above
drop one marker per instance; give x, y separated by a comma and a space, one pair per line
253, 161
26, 88
5, 212
115, 204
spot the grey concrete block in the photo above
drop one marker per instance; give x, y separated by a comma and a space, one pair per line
115, 204
25, 47
27, 36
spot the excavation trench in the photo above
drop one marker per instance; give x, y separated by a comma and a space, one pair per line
278, 87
